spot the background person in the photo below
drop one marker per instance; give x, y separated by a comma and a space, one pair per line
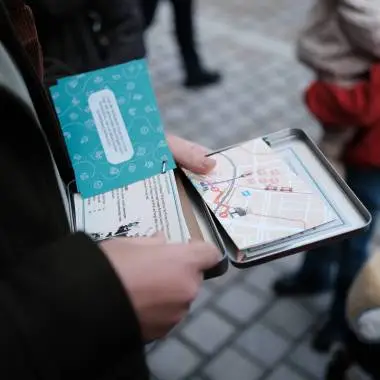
196, 75
80, 35
341, 43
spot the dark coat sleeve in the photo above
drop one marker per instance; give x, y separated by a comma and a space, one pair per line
64, 314
122, 25
58, 7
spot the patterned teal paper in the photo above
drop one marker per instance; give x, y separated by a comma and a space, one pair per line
112, 127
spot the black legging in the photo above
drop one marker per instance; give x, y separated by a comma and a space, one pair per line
184, 29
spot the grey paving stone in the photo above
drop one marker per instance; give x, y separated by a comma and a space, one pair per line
203, 297
231, 365
263, 344
285, 373
229, 276
317, 304
239, 303
207, 331
262, 278
310, 361
290, 316
290, 263
172, 360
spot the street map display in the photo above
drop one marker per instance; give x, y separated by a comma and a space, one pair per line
257, 198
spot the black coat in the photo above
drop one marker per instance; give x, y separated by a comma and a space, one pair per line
82, 35
63, 311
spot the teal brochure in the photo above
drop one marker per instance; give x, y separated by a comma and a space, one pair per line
112, 127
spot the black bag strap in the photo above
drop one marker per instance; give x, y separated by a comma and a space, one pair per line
38, 94
31, 181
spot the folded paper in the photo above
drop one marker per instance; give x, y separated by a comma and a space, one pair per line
112, 127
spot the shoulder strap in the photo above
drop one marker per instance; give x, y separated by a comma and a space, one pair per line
39, 97
11, 83
24, 26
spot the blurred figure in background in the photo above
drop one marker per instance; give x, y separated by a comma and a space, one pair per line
342, 45
195, 73
79, 35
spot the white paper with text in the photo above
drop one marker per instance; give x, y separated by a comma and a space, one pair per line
140, 209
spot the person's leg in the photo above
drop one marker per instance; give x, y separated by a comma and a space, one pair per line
148, 9
186, 39
185, 33
314, 275
339, 365
366, 185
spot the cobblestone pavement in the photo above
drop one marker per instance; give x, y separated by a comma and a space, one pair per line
237, 328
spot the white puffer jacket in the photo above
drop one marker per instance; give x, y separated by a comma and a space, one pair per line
342, 38
363, 304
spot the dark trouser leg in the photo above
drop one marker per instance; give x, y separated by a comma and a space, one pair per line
366, 184
317, 266
196, 75
185, 34
314, 275
148, 8
353, 254
338, 366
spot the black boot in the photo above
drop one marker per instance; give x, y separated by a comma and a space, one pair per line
196, 75
339, 365
294, 285
328, 335
202, 78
